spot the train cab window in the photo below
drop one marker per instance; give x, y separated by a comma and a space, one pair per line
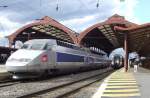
25, 46
48, 47
37, 46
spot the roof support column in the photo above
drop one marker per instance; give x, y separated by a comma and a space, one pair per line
10, 44
126, 51
10, 41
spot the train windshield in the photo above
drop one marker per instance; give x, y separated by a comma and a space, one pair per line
35, 46
25, 46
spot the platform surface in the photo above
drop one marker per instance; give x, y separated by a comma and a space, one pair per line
2, 68
3, 73
122, 84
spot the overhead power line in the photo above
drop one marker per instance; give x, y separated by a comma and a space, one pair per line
57, 7
3, 6
97, 5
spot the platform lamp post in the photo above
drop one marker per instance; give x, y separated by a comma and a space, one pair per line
28, 34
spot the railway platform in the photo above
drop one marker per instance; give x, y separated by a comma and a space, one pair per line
2, 68
122, 84
3, 72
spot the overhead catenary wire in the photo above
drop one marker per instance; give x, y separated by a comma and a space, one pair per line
32, 8
20, 3
87, 8
41, 4
57, 8
97, 5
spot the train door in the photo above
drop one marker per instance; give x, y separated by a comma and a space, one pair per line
51, 56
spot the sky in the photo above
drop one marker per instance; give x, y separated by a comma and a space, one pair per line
75, 14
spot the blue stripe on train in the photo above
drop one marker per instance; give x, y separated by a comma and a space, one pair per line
64, 57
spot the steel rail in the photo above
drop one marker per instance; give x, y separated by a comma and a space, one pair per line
55, 88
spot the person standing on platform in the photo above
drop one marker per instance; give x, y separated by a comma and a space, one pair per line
135, 66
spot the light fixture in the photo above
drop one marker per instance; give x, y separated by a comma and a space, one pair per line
33, 32
24, 33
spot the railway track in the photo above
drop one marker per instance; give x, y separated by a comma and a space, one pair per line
8, 82
66, 89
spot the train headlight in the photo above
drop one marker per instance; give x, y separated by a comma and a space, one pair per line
112, 63
117, 62
44, 58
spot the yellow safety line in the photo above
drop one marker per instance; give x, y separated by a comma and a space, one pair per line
122, 86
129, 79
118, 74
123, 90
113, 77
120, 95
123, 76
122, 80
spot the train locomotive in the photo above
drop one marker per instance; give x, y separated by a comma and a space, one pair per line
117, 61
49, 56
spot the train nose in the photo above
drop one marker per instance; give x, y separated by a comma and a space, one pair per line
25, 54
19, 60
16, 67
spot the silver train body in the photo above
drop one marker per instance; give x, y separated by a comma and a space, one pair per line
49, 56
117, 62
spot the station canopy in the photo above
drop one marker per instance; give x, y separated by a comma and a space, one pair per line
138, 38
109, 35
45, 28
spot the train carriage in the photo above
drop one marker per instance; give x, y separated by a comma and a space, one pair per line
50, 56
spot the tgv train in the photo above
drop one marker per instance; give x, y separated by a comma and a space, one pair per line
50, 56
117, 61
